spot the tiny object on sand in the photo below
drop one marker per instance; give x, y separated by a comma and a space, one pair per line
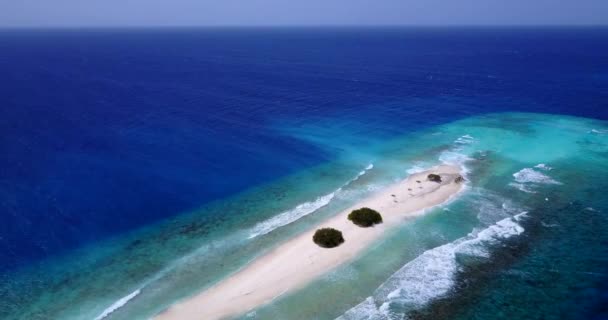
392, 195
418, 181
409, 189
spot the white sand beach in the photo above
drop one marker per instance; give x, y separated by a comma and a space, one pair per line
298, 261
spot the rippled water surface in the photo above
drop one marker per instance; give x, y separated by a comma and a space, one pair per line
138, 167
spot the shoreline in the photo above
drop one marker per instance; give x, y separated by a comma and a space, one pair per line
296, 262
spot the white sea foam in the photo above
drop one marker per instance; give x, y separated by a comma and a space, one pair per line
491, 207
543, 167
417, 168
358, 193
366, 310
529, 175
431, 275
521, 187
600, 131
291, 215
455, 158
262, 228
526, 179
301, 210
118, 304
466, 139
485, 238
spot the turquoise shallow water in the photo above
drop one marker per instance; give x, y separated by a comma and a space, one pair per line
471, 259
527, 239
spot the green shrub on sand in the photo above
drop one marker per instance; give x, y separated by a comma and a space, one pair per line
434, 177
365, 217
328, 237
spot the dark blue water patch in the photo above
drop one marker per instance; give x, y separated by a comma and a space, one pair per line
103, 131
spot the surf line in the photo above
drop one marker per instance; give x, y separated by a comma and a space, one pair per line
286, 217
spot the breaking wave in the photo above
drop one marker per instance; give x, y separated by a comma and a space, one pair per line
432, 274
543, 167
600, 131
527, 178
466, 139
301, 210
522, 187
417, 168
262, 228
529, 175
118, 304
456, 156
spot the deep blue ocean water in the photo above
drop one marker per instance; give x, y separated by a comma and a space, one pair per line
107, 132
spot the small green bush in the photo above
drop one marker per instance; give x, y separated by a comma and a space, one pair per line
365, 217
434, 177
328, 237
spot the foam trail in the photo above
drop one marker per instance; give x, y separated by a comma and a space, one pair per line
543, 167
527, 178
431, 275
454, 156
260, 229
118, 304
301, 210
466, 139
521, 187
292, 215
529, 175
417, 167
